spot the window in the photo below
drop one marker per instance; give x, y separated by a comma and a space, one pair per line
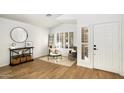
51, 40
64, 40
57, 37
61, 43
84, 42
70, 39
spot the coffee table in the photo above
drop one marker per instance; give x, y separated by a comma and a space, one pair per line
54, 55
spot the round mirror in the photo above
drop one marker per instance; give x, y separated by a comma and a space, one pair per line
19, 34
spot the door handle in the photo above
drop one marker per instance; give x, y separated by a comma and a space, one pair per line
94, 45
95, 48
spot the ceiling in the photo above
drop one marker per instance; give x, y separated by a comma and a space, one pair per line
40, 20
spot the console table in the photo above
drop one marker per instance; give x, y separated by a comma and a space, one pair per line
21, 55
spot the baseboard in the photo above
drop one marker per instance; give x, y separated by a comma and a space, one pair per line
84, 65
2, 65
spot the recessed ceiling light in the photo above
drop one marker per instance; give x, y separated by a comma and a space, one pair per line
48, 15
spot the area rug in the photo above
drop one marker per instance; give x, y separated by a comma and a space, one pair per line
64, 61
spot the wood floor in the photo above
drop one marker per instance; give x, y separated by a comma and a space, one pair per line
45, 70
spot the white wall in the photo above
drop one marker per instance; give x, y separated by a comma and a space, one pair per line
38, 35
65, 28
122, 46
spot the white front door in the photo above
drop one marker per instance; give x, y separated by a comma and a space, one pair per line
106, 47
